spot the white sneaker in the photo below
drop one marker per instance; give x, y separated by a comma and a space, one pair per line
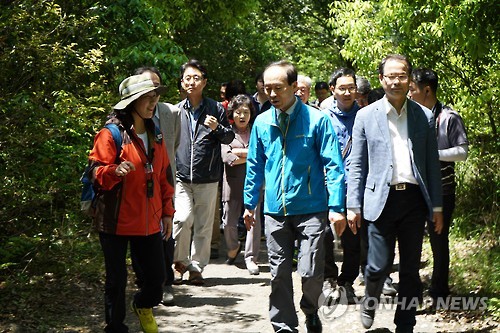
252, 267
168, 296
361, 279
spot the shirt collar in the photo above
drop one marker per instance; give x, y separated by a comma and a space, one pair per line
291, 108
188, 106
157, 114
390, 108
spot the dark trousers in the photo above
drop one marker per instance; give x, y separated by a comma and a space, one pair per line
168, 253
363, 237
441, 250
149, 256
331, 269
351, 256
403, 218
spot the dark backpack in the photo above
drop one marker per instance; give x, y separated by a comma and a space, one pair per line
90, 194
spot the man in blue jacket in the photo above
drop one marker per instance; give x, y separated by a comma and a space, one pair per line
292, 149
342, 114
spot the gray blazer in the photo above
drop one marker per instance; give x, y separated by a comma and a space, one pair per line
170, 126
371, 159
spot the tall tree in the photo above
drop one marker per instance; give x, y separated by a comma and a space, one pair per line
301, 29
62, 62
458, 39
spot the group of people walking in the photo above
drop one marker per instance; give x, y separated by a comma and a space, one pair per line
349, 170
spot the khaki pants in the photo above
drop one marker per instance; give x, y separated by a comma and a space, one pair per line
215, 243
193, 222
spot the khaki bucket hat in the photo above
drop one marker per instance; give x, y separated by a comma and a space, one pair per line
134, 87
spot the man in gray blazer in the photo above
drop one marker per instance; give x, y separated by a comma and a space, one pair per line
395, 182
167, 118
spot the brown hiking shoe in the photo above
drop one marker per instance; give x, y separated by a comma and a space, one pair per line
195, 278
179, 270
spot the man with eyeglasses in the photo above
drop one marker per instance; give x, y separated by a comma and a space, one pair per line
204, 126
330, 101
395, 182
342, 113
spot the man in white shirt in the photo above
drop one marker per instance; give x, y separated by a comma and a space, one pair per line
394, 178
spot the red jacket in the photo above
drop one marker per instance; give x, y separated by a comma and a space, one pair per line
124, 208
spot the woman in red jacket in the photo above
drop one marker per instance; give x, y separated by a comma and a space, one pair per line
135, 201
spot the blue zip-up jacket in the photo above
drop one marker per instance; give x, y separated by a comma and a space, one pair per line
294, 163
343, 122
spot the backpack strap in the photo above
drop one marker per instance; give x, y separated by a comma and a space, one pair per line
90, 194
346, 148
117, 137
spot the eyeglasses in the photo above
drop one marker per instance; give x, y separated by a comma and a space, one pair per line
393, 77
343, 90
194, 78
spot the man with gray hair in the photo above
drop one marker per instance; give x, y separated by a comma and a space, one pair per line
364, 89
304, 84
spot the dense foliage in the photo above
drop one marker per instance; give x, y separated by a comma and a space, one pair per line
63, 60
459, 40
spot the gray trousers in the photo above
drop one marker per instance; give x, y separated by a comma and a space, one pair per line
281, 233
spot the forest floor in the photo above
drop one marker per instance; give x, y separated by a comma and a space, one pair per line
231, 301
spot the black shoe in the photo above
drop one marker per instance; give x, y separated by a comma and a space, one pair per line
388, 288
367, 313
313, 324
349, 293
404, 329
230, 261
214, 253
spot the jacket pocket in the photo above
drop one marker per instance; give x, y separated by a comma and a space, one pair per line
370, 185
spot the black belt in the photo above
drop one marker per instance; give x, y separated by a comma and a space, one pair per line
403, 186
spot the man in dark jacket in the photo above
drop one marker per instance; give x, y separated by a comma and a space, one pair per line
204, 126
453, 146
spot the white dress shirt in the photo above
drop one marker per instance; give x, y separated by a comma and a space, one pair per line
402, 171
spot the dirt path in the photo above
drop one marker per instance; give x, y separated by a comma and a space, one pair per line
232, 301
